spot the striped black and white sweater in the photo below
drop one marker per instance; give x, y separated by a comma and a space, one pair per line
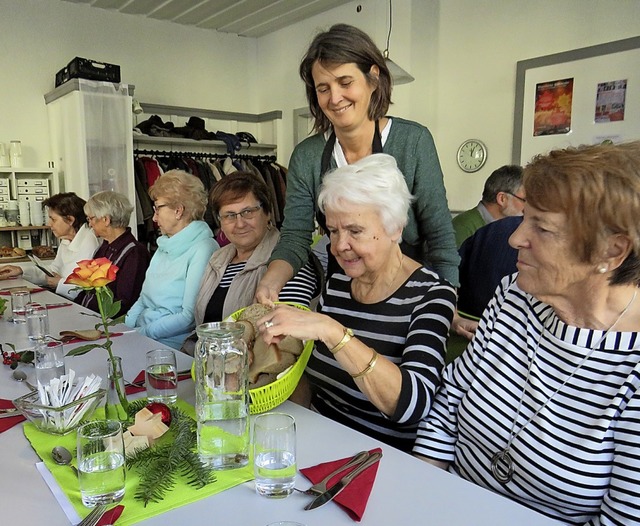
578, 460
409, 328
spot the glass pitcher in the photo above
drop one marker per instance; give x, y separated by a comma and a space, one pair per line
222, 395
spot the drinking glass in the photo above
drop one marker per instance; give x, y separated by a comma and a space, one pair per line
101, 462
49, 361
161, 376
274, 454
37, 321
19, 301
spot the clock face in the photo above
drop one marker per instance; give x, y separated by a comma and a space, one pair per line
472, 155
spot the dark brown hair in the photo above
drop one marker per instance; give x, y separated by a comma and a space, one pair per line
234, 187
598, 188
344, 44
68, 204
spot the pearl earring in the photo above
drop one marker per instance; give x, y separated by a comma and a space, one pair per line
602, 269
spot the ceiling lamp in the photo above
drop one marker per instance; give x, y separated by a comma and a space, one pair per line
399, 75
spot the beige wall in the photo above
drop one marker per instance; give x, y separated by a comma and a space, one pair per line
463, 54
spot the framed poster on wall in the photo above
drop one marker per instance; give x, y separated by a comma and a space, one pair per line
583, 96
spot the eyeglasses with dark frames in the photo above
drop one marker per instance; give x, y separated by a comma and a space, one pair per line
522, 199
158, 207
247, 213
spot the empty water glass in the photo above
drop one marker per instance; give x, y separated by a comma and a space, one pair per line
274, 454
49, 361
101, 462
19, 300
37, 321
161, 376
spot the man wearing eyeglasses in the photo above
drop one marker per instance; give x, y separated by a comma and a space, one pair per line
503, 196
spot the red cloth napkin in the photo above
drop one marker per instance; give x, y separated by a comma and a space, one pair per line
139, 387
31, 290
139, 381
80, 340
353, 499
110, 516
9, 422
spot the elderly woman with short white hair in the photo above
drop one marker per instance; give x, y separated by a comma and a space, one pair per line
108, 214
381, 327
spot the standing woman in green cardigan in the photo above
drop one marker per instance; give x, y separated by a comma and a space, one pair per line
348, 87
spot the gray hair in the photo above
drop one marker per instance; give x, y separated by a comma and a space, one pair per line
372, 181
507, 178
112, 204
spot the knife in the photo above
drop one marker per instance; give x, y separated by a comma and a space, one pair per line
343, 483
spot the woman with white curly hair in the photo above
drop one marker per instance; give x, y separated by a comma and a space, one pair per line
382, 325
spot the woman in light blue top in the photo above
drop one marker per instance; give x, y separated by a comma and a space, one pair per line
165, 308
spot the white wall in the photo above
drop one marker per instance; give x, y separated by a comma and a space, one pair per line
480, 43
168, 63
463, 54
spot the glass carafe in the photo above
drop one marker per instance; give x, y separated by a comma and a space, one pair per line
222, 395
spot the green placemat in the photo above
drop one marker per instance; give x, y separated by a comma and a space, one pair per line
134, 510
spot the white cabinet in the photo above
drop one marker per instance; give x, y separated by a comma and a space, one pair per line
91, 137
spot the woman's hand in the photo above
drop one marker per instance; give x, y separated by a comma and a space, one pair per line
463, 326
53, 281
284, 320
10, 272
268, 290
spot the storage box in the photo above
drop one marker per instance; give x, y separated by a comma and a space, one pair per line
84, 68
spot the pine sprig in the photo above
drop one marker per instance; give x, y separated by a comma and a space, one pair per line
172, 457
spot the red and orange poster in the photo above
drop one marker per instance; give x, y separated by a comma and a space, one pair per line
553, 107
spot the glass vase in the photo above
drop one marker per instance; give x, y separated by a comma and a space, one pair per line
116, 404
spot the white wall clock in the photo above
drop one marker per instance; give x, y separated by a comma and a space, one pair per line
472, 155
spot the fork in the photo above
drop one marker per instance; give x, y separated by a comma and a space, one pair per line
93, 517
320, 487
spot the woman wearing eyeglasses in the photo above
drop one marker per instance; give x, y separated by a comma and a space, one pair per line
165, 309
243, 207
108, 214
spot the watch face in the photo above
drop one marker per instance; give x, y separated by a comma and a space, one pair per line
472, 155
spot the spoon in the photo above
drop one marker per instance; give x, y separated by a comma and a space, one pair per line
21, 376
62, 456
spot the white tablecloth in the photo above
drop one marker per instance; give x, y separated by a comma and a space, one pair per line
407, 491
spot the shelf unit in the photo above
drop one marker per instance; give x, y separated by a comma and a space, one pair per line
264, 126
26, 184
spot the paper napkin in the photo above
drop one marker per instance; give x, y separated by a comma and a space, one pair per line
110, 516
9, 422
353, 499
137, 386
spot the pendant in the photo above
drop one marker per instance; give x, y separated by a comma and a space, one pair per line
502, 466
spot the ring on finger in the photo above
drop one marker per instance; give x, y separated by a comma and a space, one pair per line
268, 324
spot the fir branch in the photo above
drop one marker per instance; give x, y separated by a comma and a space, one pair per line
172, 457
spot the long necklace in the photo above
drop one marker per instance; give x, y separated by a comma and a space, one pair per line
502, 465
